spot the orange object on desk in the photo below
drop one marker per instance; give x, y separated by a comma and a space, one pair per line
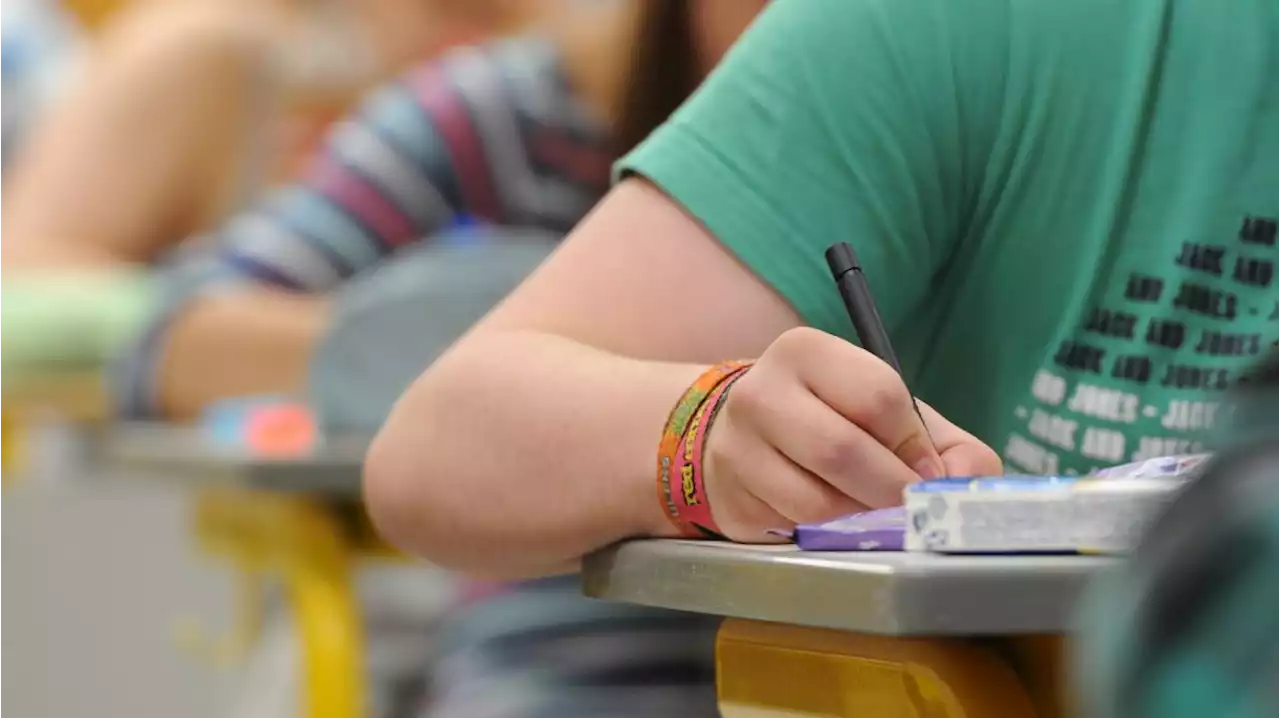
284, 430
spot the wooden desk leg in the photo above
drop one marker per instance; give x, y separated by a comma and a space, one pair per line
769, 670
308, 547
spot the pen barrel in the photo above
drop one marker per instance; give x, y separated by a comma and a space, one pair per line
866, 319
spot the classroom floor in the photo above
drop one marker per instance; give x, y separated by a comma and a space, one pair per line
96, 577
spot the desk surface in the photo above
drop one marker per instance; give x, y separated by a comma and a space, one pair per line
188, 454
75, 395
883, 593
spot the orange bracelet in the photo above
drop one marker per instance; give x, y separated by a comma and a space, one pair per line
690, 492
673, 434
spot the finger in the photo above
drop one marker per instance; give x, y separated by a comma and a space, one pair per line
740, 514
972, 460
795, 493
868, 392
763, 520
835, 451
963, 454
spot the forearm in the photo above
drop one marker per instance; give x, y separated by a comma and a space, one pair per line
520, 470
256, 341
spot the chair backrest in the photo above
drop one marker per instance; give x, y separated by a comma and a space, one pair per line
392, 322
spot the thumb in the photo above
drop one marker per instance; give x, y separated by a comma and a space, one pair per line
919, 453
972, 458
961, 453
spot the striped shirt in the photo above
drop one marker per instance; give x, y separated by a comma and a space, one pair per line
493, 135
490, 134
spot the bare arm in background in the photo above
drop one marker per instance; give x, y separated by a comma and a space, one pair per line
153, 143
386, 178
255, 341
150, 144
167, 129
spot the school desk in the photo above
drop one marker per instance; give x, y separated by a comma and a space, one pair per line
73, 395
864, 634
297, 518
808, 634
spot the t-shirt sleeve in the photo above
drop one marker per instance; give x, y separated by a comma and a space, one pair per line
864, 121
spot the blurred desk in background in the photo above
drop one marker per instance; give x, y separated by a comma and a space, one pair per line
295, 517
161, 451
864, 634
69, 396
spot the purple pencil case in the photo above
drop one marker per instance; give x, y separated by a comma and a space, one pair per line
880, 530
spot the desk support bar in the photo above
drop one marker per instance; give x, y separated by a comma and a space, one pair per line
303, 543
318, 576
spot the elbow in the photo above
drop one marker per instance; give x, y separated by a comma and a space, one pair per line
399, 496
420, 515
410, 490
434, 490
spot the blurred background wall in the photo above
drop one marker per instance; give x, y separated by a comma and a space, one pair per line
96, 578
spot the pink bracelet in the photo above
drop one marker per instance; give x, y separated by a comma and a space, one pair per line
688, 486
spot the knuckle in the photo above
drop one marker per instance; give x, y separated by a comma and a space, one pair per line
794, 344
806, 335
878, 373
881, 398
749, 396
835, 456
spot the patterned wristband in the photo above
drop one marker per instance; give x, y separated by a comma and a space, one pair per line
673, 433
692, 505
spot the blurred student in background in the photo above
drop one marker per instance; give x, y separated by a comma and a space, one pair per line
518, 133
179, 112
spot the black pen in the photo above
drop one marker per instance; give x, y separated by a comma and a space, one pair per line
858, 301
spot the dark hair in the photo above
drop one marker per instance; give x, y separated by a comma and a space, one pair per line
663, 71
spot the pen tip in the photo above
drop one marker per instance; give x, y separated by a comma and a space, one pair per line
841, 258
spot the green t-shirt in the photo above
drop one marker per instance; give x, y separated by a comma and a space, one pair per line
1066, 208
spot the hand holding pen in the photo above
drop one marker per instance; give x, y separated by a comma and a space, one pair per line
820, 428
